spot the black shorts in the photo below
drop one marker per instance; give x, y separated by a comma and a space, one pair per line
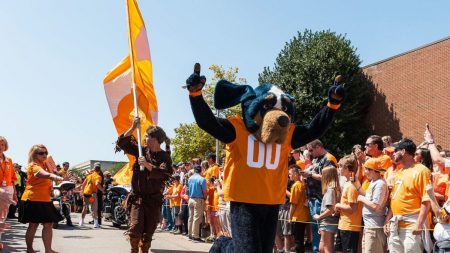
38, 212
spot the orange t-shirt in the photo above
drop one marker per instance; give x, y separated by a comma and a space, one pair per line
298, 197
7, 172
37, 189
213, 198
440, 182
408, 191
255, 172
212, 171
169, 192
176, 189
300, 163
91, 181
349, 220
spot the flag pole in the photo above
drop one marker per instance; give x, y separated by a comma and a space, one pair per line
135, 99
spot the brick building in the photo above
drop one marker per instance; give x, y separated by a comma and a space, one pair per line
412, 89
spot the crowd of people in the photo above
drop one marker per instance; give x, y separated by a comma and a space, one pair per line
372, 200
376, 199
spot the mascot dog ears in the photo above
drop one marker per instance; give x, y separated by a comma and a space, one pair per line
258, 144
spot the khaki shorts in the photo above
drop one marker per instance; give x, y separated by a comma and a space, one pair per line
374, 240
93, 205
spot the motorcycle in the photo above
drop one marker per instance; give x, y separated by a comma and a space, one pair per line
114, 205
61, 200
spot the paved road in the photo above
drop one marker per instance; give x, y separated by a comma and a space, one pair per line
87, 240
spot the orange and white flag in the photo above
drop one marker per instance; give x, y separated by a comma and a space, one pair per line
137, 68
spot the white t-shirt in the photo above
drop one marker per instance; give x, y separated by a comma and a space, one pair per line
377, 192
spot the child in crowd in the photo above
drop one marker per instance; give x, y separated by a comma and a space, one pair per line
349, 208
224, 208
374, 201
327, 217
213, 209
298, 212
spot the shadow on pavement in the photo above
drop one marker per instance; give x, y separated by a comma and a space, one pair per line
14, 237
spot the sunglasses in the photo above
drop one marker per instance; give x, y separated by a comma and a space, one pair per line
42, 153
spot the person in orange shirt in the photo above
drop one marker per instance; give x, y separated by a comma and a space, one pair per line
7, 180
91, 185
349, 207
410, 203
213, 168
298, 210
374, 148
213, 209
175, 200
298, 157
36, 206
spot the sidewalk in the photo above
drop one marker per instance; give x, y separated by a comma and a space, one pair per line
86, 240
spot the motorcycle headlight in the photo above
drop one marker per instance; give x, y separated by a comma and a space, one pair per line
56, 193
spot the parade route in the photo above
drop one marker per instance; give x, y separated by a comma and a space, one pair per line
86, 239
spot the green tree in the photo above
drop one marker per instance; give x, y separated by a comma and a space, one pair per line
190, 141
306, 67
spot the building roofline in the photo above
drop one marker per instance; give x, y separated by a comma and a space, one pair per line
407, 52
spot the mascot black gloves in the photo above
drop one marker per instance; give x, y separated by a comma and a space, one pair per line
195, 82
336, 93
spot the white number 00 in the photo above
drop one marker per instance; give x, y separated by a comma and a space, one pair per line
263, 149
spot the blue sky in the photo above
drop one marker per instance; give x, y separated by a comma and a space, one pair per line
54, 55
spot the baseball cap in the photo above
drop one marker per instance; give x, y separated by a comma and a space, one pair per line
373, 164
97, 164
405, 144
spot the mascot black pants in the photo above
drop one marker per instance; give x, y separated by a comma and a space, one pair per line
253, 227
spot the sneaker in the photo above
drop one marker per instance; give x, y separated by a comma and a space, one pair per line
210, 239
178, 232
308, 245
197, 239
97, 226
81, 223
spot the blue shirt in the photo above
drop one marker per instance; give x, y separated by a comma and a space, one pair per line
196, 186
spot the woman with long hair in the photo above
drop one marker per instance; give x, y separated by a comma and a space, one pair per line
423, 156
36, 206
145, 199
327, 217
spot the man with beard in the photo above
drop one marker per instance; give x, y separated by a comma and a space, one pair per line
410, 203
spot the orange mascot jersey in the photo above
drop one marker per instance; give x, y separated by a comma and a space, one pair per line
255, 172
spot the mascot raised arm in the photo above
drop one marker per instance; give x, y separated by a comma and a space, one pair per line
258, 144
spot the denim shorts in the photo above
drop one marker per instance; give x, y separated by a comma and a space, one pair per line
328, 228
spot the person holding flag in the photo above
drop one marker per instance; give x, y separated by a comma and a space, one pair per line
129, 87
145, 199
